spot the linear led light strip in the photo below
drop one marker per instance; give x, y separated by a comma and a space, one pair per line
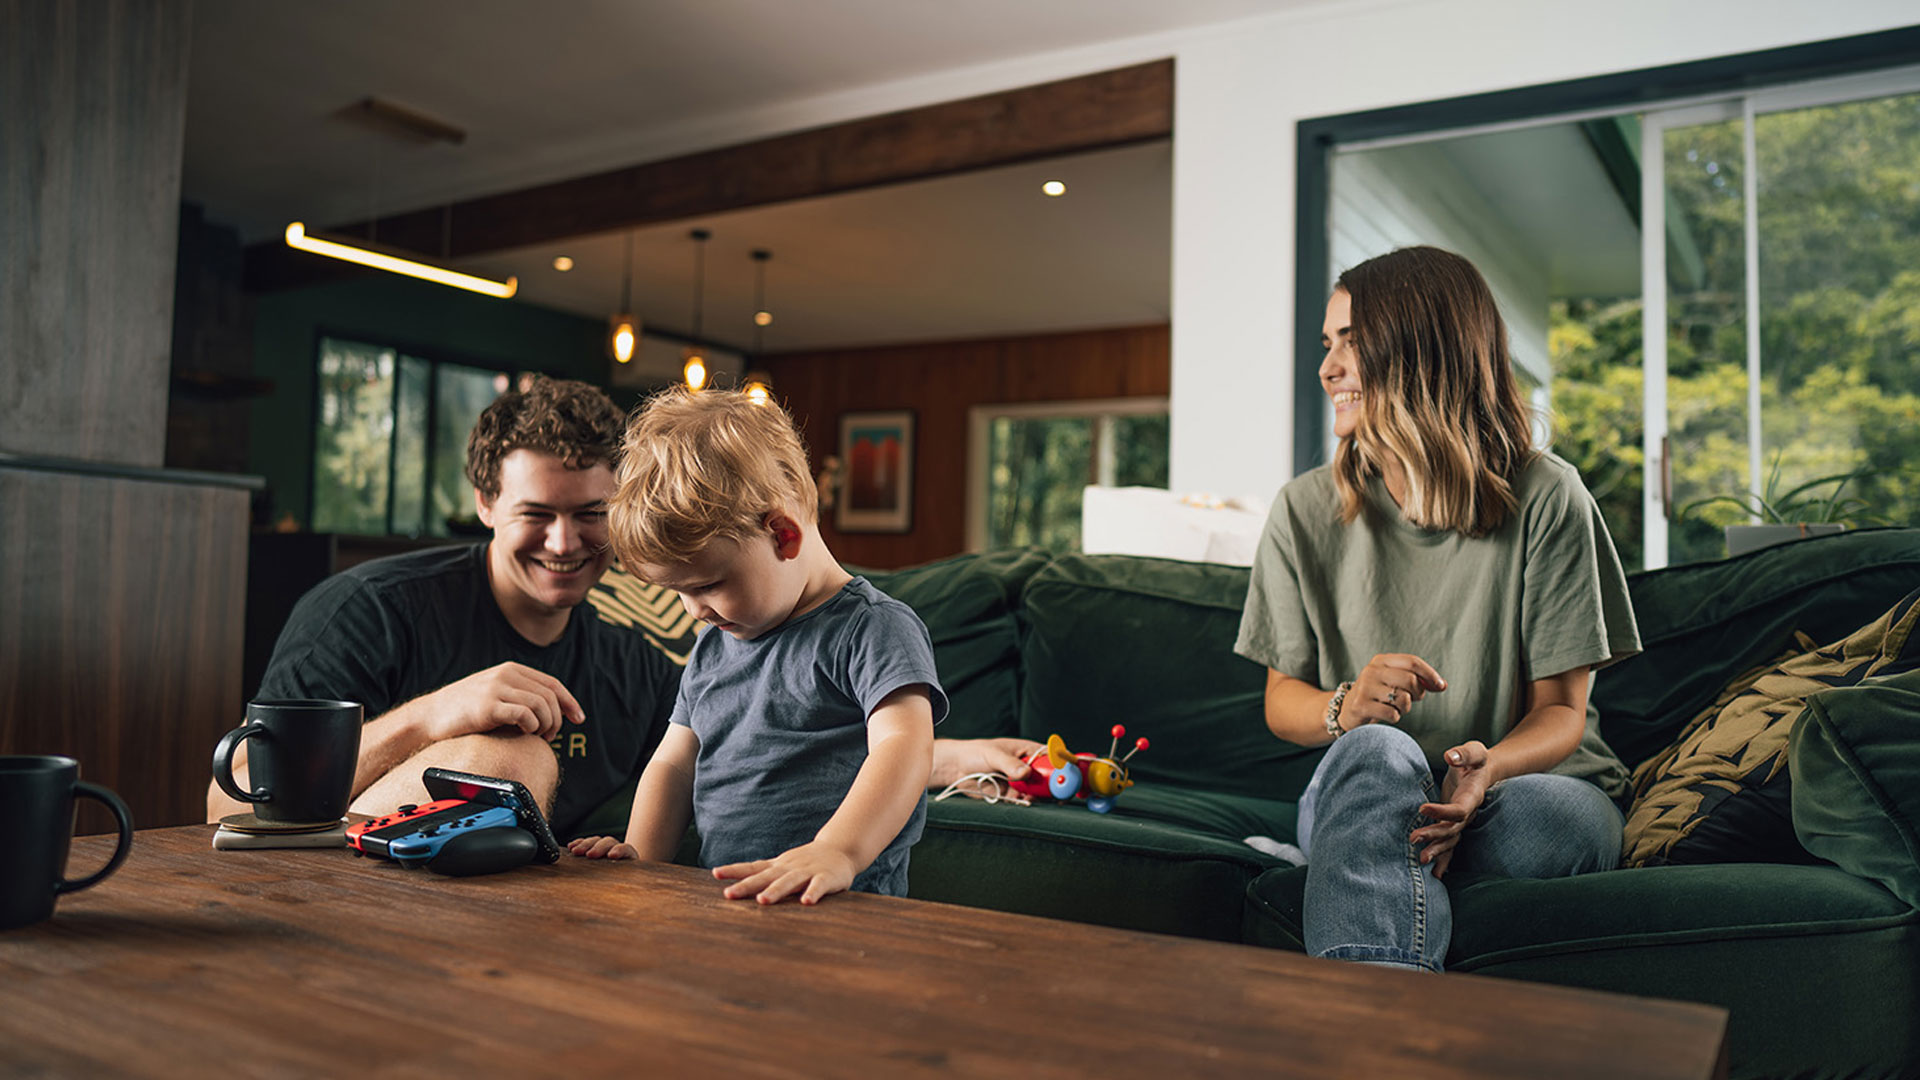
297, 238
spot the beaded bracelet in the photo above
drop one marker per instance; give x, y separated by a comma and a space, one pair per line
1333, 709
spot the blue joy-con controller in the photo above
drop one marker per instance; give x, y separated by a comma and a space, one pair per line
415, 848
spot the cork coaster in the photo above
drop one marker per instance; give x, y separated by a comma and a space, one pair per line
252, 823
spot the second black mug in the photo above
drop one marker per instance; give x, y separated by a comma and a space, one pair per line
300, 762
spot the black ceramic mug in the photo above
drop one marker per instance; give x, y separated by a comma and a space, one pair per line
36, 825
301, 761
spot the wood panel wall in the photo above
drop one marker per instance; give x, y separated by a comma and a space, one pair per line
122, 586
121, 627
941, 383
93, 106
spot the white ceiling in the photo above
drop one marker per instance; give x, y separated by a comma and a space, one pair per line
550, 91
975, 255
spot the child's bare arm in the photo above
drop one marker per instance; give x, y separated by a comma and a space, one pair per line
662, 805
883, 796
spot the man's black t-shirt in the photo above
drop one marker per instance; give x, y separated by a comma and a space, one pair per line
390, 630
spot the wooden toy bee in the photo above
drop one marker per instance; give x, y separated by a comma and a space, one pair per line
1065, 776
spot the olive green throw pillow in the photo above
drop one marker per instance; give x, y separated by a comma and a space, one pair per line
1723, 791
1856, 764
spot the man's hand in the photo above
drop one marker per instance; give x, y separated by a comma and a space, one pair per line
813, 871
1462, 793
602, 847
956, 759
506, 695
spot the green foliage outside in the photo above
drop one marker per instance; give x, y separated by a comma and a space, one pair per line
1839, 224
377, 468
354, 438
1039, 468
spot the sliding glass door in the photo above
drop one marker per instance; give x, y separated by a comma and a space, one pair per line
1783, 346
1715, 303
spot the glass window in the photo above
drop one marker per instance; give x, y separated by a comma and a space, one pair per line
354, 440
1706, 329
1039, 460
1839, 287
464, 393
390, 440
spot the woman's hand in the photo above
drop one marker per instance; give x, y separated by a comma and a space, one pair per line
1462, 793
1387, 688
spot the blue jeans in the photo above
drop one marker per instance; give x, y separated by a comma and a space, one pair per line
1368, 897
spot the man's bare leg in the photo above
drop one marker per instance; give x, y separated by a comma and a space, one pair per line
509, 757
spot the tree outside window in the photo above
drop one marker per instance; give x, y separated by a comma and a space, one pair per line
390, 440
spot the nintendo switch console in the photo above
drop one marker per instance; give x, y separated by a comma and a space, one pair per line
468, 827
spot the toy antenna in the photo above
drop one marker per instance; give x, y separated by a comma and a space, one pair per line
1139, 744
1118, 731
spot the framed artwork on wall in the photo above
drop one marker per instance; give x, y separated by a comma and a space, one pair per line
876, 489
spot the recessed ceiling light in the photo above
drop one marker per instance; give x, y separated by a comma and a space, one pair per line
1054, 187
563, 264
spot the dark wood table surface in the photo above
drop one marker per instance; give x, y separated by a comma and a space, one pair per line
293, 963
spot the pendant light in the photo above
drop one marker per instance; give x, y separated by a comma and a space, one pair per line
758, 384
694, 369
625, 332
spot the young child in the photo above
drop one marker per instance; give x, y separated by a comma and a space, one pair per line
803, 733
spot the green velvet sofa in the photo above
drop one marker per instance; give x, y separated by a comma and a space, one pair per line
1819, 964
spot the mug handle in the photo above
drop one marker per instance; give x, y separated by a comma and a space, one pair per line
125, 845
223, 764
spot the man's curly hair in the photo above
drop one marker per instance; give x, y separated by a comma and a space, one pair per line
573, 421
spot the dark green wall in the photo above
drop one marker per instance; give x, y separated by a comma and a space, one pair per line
424, 319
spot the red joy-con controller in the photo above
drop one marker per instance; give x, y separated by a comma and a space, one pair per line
370, 837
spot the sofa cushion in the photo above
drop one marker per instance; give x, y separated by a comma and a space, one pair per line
1148, 643
1165, 860
1856, 763
971, 605
1819, 969
1703, 622
1721, 792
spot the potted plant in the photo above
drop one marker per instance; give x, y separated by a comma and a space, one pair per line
1814, 508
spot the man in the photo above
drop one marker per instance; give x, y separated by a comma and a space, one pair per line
487, 658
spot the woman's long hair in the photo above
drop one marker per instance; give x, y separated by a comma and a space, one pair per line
1438, 392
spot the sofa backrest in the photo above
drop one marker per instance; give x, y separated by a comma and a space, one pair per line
1704, 623
1148, 643
1032, 645
971, 605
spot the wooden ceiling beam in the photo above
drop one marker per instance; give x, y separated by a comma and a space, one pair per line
1091, 112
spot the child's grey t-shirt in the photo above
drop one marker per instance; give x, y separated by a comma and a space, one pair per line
782, 724
1542, 594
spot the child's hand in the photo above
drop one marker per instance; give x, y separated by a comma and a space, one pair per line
602, 847
812, 870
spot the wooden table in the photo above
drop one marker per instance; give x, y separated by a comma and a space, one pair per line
314, 963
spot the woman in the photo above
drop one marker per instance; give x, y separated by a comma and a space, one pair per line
1431, 605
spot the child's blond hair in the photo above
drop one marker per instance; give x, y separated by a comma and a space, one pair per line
701, 466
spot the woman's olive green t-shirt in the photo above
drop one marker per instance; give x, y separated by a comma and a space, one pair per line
1539, 596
